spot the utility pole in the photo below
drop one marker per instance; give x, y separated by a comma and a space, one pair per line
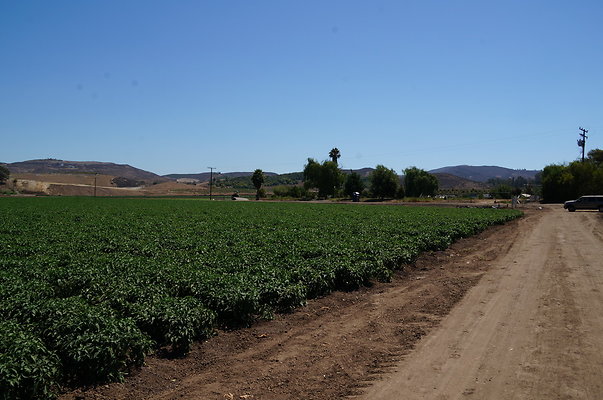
582, 141
95, 183
211, 179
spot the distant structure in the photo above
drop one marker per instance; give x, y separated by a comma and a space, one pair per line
188, 181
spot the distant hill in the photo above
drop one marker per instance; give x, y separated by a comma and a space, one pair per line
452, 177
54, 166
204, 176
290, 177
363, 172
483, 173
449, 181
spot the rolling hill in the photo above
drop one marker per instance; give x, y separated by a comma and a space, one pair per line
451, 177
483, 173
449, 181
54, 166
204, 176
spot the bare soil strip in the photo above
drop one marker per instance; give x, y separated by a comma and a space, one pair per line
532, 328
528, 326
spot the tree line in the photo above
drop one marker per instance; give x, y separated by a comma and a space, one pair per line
326, 179
383, 182
566, 182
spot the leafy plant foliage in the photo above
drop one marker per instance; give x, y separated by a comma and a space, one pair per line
89, 286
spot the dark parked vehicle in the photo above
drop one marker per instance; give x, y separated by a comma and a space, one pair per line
585, 203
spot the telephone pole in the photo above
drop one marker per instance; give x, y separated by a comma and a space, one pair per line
95, 174
211, 179
582, 140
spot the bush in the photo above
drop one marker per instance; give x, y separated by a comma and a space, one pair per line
297, 192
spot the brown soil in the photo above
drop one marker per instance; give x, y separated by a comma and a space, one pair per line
72, 179
83, 185
531, 328
510, 313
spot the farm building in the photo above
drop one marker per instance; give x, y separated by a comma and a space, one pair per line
188, 181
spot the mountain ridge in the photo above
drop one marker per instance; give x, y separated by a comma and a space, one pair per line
483, 173
205, 176
56, 166
476, 174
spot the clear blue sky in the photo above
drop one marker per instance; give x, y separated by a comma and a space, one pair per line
178, 86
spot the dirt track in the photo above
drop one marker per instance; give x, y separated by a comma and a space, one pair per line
531, 329
514, 313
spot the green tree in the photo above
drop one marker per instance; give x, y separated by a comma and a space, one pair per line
596, 156
400, 193
567, 182
418, 182
334, 154
297, 192
502, 191
4, 174
384, 182
326, 177
585, 178
311, 173
518, 182
353, 183
331, 179
258, 180
556, 183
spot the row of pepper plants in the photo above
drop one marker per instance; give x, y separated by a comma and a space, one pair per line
89, 287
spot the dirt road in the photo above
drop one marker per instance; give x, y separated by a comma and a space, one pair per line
531, 329
514, 313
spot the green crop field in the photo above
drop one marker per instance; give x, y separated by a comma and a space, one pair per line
89, 286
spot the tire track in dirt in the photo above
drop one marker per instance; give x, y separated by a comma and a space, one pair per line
531, 329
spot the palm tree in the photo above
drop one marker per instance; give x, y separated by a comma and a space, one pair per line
334, 154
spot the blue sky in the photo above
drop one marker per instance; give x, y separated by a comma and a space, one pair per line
178, 86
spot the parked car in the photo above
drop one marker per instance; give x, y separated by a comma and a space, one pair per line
591, 202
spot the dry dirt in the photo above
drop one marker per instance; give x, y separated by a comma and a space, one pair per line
66, 179
514, 313
83, 185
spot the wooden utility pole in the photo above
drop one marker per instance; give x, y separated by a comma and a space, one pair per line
95, 174
582, 140
211, 179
